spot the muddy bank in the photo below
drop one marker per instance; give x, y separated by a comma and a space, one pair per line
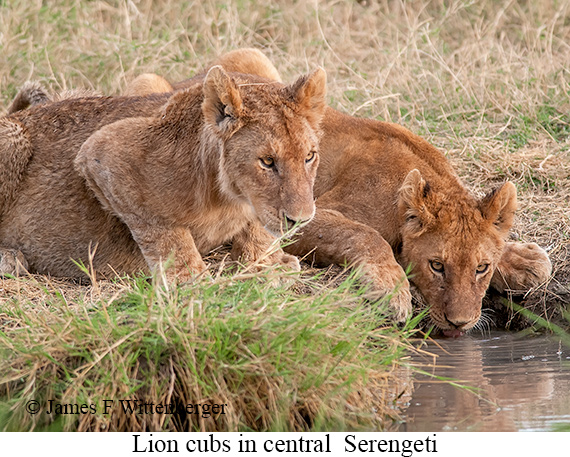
550, 302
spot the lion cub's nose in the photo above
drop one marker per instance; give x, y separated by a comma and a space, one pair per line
457, 323
301, 219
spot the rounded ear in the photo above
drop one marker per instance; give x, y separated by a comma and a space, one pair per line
249, 61
413, 202
309, 93
148, 83
499, 207
222, 104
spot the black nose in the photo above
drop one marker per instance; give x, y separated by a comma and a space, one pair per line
458, 324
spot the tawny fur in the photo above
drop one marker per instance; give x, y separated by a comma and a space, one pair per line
247, 61
387, 198
139, 180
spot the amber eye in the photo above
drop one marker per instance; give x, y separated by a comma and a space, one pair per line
267, 162
310, 156
436, 266
482, 268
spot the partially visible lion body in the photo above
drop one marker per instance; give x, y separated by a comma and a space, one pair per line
383, 194
411, 198
51, 210
138, 180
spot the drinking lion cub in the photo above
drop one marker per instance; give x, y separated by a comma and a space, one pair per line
385, 194
138, 180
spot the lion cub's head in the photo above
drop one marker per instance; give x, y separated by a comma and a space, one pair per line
268, 135
453, 243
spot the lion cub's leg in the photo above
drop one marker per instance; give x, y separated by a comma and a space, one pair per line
107, 167
160, 244
255, 244
522, 267
334, 238
12, 262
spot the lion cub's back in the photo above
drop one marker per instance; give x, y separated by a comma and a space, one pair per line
54, 216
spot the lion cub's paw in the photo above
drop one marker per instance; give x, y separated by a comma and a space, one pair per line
390, 280
290, 262
12, 262
265, 268
189, 272
522, 267
401, 303
279, 259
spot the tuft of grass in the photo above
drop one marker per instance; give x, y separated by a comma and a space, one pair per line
276, 360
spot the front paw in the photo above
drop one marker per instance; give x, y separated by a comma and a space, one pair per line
289, 262
275, 259
12, 262
390, 281
183, 273
522, 267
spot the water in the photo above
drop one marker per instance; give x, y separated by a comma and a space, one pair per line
522, 383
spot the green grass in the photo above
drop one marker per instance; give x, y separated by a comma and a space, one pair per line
278, 360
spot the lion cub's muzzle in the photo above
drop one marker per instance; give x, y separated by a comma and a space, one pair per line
292, 223
455, 320
281, 221
456, 328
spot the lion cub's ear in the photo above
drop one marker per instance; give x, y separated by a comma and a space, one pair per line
309, 93
499, 207
222, 104
413, 199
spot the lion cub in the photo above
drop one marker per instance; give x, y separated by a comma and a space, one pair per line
138, 180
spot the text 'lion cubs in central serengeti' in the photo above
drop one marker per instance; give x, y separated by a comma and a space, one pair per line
141, 179
385, 195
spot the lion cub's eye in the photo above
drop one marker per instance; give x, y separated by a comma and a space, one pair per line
482, 268
436, 266
310, 156
267, 162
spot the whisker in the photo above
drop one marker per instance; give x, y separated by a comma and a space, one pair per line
485, 323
